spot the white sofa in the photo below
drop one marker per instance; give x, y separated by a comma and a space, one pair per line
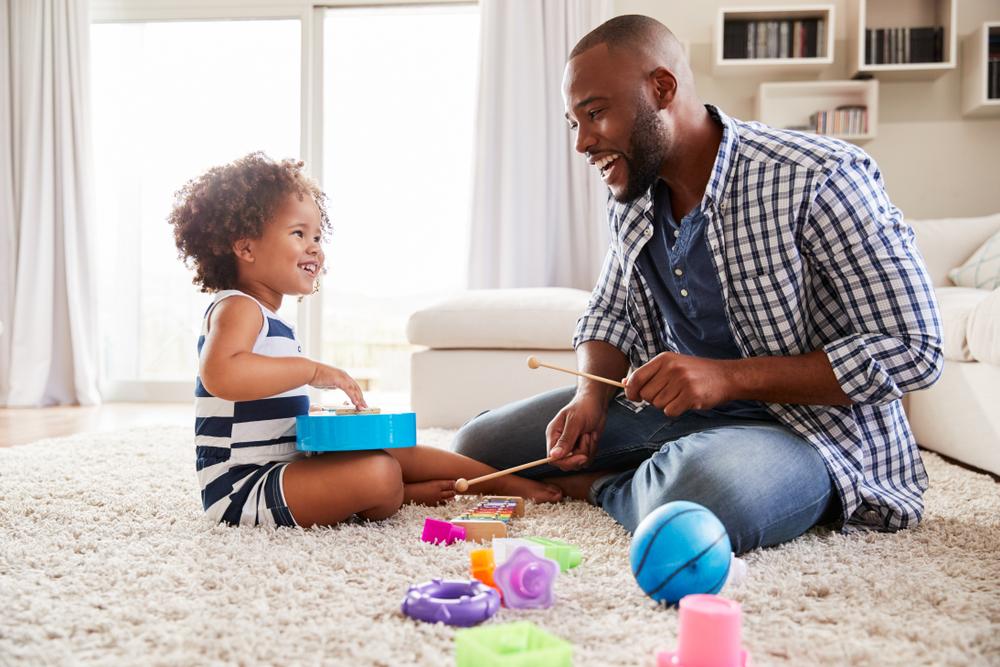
478, 345
959, 416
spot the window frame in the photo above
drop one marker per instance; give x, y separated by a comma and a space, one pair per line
311, 18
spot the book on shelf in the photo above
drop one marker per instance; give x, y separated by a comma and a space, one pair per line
898, 46
993, 65
804, 38
993, 78
846, 120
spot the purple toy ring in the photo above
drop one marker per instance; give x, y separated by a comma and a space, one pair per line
461, 603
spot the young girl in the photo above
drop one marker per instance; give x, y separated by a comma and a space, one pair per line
252, 229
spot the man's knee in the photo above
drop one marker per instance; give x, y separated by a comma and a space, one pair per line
471, 437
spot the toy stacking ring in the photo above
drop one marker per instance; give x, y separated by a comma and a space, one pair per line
461, 603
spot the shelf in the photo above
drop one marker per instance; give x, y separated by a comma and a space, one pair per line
788, 104
822, 14
865, 15
975, 55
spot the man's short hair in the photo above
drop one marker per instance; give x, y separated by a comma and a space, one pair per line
622, 32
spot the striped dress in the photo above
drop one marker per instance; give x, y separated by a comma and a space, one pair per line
243, 447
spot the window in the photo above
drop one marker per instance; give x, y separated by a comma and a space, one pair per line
170, 100
399, 93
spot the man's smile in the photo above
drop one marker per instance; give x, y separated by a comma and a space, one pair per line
606, 165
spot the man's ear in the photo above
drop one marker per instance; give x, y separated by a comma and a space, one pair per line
664, 86
244, 250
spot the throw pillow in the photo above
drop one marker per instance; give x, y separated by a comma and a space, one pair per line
982, 270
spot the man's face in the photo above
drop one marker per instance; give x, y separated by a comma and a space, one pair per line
617, 129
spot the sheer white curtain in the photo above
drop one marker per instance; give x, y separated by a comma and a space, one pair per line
48, 348
538, 210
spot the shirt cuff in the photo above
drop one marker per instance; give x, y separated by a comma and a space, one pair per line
861, 377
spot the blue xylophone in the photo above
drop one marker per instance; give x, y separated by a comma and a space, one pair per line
348, 431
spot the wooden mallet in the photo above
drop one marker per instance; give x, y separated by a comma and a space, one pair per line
462, 485
535, 362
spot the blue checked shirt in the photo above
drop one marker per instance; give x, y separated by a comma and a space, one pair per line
810, 254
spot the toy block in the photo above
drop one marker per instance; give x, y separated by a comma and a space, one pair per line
519, 644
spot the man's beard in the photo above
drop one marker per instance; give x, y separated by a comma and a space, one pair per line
647, 153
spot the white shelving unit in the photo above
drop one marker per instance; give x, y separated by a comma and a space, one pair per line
878, 14
975, 54
742, 66
790, 104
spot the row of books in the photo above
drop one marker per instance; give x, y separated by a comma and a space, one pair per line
774, 39
894, 46
849, 119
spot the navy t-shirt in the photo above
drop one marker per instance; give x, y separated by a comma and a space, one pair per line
676, 264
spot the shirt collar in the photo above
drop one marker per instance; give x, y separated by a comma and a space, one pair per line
718, 182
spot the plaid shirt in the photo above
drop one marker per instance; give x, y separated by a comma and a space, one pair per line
810, 254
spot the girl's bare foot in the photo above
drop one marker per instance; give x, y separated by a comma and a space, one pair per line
432, 492
512, 485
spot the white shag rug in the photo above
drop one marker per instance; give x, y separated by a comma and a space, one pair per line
106, 559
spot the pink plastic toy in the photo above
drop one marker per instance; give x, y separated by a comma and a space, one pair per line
441, 531
527, 580
708, 634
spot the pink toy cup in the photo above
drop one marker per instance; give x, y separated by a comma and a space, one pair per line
441, 531
708, 634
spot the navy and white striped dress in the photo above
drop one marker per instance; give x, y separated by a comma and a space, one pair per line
243, 447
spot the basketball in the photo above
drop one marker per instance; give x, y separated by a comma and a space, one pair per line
680, 549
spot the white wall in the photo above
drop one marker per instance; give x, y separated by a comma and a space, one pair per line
935, 162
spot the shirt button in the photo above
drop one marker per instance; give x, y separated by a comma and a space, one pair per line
648, 231
677, 233
678, 272
684, 292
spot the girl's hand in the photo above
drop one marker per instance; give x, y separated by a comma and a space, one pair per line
331, 377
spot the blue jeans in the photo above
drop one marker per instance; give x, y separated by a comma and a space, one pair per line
765, 483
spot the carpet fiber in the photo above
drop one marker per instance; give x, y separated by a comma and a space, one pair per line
106, 559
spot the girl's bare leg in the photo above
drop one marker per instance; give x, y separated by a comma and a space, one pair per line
327, 489
422, 464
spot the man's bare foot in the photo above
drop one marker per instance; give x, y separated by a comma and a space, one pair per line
577, 487
512, 485
432, 492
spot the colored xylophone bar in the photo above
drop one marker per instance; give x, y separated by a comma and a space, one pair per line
489, 517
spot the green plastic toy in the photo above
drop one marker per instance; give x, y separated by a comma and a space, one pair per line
567, 555
519, 644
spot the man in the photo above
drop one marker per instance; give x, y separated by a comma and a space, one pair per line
770, 298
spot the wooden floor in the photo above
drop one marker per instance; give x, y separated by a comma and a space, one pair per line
19, 426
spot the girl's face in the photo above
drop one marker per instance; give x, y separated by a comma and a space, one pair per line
288, 257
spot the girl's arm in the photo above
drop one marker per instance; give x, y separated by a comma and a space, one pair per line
230, 370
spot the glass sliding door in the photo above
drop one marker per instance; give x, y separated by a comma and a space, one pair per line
399, 93
171, 99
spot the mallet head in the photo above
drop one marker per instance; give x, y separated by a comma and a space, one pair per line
533, 362
461, 485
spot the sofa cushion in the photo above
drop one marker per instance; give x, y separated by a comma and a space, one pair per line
957, 305
948, 242
982, 270
526, 318
984, 329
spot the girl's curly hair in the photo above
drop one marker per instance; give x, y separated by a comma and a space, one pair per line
232, 202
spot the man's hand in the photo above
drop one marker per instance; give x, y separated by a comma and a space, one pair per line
572, 435
675, 383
